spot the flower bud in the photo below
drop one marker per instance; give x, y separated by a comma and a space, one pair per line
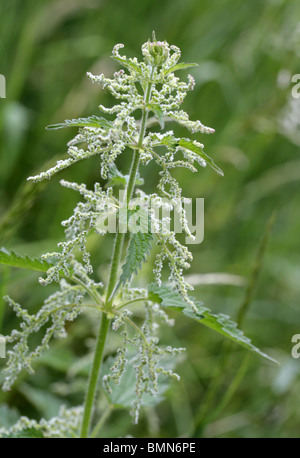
155, 53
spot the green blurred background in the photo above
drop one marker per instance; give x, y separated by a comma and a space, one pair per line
247, 53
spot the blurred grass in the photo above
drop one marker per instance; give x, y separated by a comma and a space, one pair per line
247, 53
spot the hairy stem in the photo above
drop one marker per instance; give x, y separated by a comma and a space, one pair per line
93, 379
113, 277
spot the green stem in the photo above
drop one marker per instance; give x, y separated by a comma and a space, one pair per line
119, 241
114, 268
113, 277
93, 380
132, 301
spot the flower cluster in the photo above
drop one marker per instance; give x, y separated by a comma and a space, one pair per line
65, 425
149, 360
60, 307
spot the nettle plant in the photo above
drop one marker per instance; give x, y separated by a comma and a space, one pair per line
142, 88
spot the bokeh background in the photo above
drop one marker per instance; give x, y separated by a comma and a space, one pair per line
247, 53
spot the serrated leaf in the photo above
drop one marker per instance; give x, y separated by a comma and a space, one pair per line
176, 67
167, 297
10, 258
28, 433
91, 121
138, 249
131, 66
190, 145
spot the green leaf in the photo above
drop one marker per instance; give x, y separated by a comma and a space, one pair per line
28, 433
168, 298
138, 249
8, 416
190, 145
10, 258
91, 121
176, 67
116, 178
140, 241
169, 141
131, 66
